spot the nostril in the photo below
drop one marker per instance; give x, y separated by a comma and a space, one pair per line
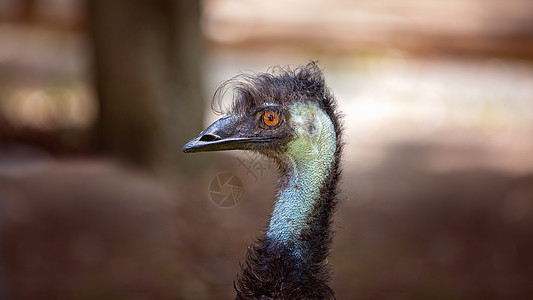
209, 137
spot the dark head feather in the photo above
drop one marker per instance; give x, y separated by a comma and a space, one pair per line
282, 86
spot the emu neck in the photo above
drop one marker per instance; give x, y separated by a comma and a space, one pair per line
307, 163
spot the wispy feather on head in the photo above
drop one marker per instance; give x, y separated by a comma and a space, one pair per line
281, 85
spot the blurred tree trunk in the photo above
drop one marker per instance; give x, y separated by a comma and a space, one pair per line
147, 56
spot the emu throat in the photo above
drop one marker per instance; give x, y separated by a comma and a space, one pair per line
308, 159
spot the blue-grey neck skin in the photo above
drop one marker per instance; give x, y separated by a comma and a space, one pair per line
308, 158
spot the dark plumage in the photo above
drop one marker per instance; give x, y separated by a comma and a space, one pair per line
290, 260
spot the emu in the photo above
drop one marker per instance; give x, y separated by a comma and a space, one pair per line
290, 116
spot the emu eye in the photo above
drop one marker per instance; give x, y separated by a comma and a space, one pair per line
271, 118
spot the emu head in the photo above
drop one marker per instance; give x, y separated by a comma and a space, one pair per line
287, 113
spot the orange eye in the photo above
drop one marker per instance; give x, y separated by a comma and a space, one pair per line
271, 118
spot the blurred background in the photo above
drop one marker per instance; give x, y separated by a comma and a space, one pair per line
97, 97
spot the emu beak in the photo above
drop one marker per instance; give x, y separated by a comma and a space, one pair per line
228, 133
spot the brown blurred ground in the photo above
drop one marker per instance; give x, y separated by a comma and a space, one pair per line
95, 230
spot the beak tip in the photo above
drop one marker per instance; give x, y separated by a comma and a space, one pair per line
187, 148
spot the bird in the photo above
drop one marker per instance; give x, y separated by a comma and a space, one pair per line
289, 115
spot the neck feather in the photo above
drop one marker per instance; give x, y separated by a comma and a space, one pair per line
290, 261
308, 162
